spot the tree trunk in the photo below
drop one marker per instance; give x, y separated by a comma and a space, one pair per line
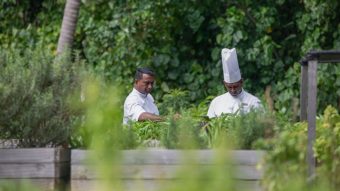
68, 26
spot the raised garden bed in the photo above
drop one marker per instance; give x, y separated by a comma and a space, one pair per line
45, 168
153, 169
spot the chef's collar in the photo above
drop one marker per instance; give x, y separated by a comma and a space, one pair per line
140, 94
240, 95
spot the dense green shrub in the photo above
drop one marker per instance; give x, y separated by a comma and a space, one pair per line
240, 131
182, 40
184, 133
34, 88
28, 24
147, 130
196, 131
174, 101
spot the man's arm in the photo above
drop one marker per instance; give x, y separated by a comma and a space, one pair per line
149, 116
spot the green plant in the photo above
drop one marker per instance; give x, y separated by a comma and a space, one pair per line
241, 131
101, 117
174, 102
184, 133
34, 88
17, 186
147, 130
287, 159
327, 146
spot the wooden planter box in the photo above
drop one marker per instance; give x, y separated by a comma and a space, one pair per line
45, 168
152, 169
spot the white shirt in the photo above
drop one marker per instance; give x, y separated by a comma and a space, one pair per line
227, 103
137, 103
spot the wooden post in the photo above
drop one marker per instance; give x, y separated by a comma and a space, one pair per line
308, 109
303, 92
311, 116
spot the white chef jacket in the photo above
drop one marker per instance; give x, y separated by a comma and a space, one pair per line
227, 103
137, 103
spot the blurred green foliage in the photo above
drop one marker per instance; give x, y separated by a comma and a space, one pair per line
101, 115
287, 158
24, 185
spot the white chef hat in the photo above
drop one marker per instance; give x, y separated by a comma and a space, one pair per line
231, 71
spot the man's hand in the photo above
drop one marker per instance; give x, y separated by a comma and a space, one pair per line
149, 116
176, 116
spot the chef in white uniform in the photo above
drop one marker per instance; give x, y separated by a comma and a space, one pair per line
139, 104
236, 100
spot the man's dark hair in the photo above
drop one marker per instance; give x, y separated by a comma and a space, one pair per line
141, 71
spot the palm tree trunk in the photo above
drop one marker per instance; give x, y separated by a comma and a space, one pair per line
68, 26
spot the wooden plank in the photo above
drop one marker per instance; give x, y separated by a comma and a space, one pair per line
247, 157
248, 173
34, 170
175, 171
325, 56
165, 171
34, 155
164, 156
83, 184
37, 170
79, 156
171, 157
82, 171
304, 92
248, 185
311, 115
153, 185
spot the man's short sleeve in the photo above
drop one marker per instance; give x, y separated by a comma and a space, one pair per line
133, 109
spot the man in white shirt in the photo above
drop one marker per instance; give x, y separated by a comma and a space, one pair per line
139, 104
236, 100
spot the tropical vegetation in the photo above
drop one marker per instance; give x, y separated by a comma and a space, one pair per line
182, 40
75, 99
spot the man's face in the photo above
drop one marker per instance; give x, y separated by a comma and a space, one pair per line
145, 84
234, 88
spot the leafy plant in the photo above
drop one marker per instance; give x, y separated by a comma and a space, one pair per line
147, 130
241, 131
101, 117
34, 88
287, 159
184, 133
174, 102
